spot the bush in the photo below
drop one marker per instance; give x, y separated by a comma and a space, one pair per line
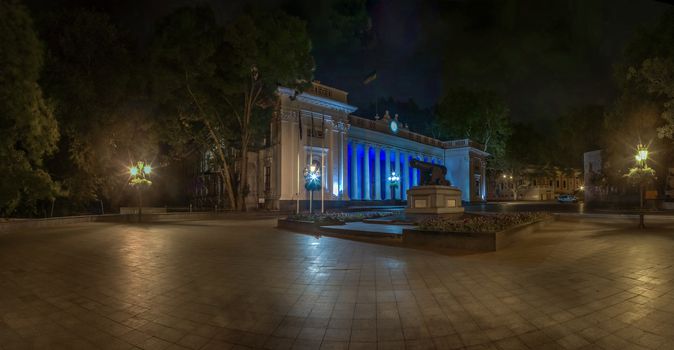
338, 217
481, 223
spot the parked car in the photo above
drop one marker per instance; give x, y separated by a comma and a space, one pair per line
567, 198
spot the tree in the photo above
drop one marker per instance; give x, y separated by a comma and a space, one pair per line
574, 134
260, 52
658, 77
475, 114
89, 74
335, 26
642, 112
28, 130
187, 89
221, 83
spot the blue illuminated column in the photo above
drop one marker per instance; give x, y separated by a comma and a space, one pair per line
387, 172
397, 157
414, 174
377, 174
405, 183
366, 172
354, 171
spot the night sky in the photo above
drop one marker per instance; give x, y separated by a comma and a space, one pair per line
544, 57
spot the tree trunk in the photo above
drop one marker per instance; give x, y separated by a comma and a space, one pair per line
224, 171
243, 173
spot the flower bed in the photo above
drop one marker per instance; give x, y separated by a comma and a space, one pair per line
487, 232
336, 217
481, 223
311, 223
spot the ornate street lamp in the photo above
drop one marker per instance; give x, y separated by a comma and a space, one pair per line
640, 175
642, 156
139, 177
312, 182
393, 181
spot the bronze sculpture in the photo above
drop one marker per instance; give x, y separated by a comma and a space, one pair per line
430, 174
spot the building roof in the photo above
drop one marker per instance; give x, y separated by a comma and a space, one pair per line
382, 125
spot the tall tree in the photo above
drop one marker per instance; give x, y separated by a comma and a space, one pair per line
28, 130
643, 109
88, 74
184, 60
475, 114
260, 52
221, 82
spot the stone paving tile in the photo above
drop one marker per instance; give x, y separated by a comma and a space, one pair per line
245, 285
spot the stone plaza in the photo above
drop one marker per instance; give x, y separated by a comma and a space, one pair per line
241, 283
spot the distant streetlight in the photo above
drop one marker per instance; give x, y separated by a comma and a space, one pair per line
394, 181
139, 175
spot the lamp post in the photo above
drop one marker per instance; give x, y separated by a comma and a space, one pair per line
394, 181
139, 175
312, 182
641, 158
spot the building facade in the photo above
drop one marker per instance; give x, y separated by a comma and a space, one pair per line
355, 155
534, 184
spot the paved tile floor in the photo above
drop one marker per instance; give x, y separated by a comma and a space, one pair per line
243, 284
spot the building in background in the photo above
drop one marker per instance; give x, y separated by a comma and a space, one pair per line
595, 184
534, 183
355, 155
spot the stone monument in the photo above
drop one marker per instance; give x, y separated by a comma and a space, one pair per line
435, 196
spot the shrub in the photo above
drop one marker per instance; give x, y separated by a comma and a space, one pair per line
481, 223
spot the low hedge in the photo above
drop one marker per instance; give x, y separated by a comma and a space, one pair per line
481, 223
337, 217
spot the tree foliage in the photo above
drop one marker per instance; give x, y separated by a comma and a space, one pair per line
573, 134
642, 113
475, 114
28, 130
221, 81
265, 50
89, 74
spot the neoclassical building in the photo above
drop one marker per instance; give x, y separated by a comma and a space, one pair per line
355, 155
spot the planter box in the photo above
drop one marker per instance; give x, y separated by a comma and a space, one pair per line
304, 226
480, 241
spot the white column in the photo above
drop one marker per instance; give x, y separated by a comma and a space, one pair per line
396, 157
405, 184
377, 175
483, 179
354, 171
366, 172
343, 183
329, 176
387, 172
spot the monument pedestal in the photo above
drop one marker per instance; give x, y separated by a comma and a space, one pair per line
433, 200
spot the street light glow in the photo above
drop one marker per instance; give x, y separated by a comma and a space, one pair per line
642, 153
133, 171
147, 169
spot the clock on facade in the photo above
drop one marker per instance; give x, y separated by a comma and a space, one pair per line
394, 126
